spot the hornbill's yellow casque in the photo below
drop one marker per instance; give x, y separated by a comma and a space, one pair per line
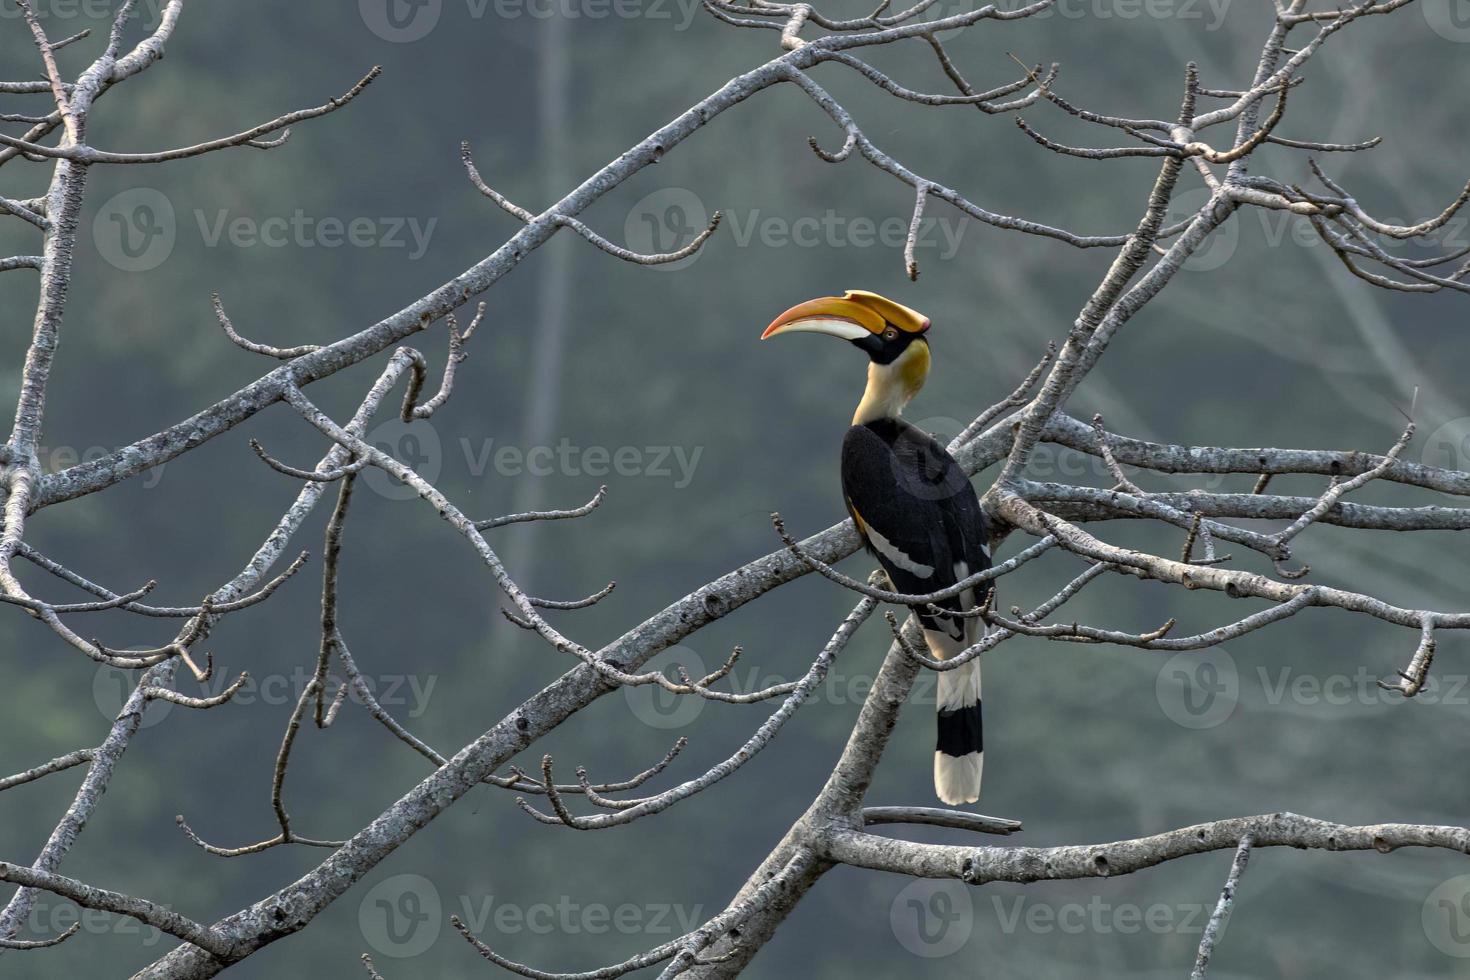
914, 507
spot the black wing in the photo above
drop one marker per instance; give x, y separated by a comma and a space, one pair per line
914, 506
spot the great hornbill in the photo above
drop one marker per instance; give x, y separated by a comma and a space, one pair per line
913, 506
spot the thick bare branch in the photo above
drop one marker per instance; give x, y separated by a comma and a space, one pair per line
980, 865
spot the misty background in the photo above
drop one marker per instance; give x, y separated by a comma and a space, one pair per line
590, 371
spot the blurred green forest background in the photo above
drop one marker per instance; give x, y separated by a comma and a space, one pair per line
1265, 340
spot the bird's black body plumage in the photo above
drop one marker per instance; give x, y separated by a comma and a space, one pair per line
899, 481
920, 517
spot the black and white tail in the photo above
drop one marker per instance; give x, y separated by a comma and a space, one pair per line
959, 754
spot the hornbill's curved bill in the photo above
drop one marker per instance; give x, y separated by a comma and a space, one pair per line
913, 505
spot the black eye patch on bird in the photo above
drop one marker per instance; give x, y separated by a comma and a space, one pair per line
885, 348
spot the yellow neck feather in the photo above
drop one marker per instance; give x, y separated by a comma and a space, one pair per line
891, 386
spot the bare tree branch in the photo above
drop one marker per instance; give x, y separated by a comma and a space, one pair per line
1222, 910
